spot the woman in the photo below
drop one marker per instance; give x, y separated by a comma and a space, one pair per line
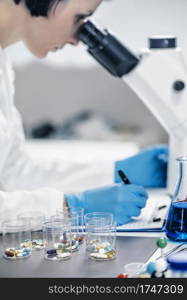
44, 26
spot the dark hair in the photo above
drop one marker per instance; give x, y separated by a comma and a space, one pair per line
39, 8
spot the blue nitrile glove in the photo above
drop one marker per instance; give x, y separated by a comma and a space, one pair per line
148, 168
124, 201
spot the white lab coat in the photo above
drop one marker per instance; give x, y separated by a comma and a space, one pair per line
24, 185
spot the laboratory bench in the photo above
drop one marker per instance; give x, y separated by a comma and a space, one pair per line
129, 249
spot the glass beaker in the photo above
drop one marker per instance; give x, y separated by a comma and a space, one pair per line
15, 232
36, 219
77, 214
57, 234
100, 236
73, 220
176, 223
101, 217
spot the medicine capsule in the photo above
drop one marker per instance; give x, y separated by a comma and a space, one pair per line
58, 251
59, 245
17, 253
9, 253
108, 249
98, 255
122, 275
64, 255
51, 251
111, 254
80, 239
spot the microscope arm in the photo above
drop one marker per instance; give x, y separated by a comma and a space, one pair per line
155, 80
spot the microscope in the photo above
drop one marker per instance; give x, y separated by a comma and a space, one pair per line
158, 77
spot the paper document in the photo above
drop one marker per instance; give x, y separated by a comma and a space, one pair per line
153, 216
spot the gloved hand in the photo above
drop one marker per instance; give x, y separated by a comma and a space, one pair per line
124, 201
148, 168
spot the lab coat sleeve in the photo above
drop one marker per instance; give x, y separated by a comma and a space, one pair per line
46, 200
21, 172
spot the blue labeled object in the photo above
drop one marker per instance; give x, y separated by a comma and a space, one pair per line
178, 261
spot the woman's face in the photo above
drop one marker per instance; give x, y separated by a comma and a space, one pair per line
42, 35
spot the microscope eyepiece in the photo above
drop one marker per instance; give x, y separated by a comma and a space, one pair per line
90, 35
107, 50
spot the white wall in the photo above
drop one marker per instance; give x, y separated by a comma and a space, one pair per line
70, 80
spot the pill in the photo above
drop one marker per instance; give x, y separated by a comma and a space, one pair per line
98, 255
51, 251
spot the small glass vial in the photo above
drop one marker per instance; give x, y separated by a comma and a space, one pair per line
177, 265
79, 212
15, 233
176, 223
73, 220
101, 217
36, 219
76, 217
100, 236
57, 234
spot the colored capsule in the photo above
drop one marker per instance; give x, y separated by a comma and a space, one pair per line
98, 256
9, 253
59, 251
51, 251
64, 255
111, 254
100, 250
107, 248
38, 244
26, 244
122, 275
80, 239
59, 245
16, 253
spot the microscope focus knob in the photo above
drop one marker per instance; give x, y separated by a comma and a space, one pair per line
179, 85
